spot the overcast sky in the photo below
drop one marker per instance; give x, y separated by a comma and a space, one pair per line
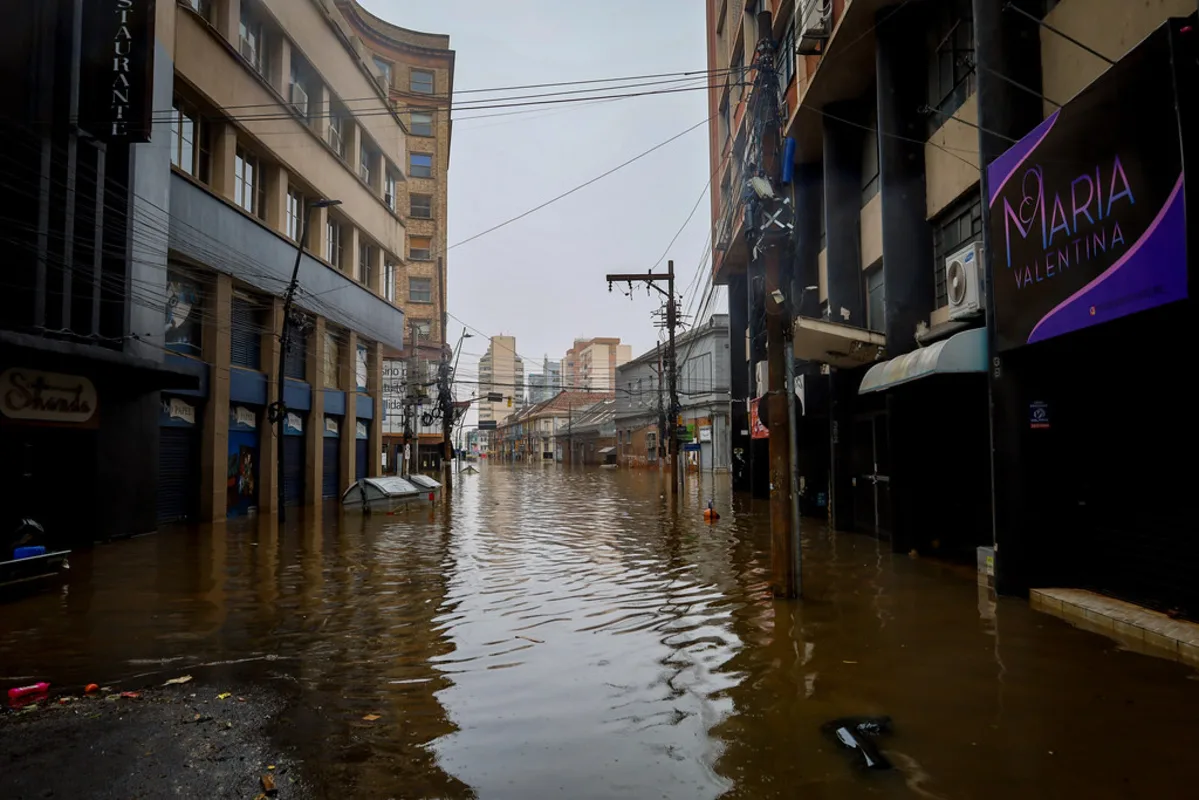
541, 279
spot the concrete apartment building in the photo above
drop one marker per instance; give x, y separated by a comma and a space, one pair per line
417, 71
591, 363
642, 400
500, 370
238, 120
937, 328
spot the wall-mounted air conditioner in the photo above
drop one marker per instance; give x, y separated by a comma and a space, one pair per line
812, 26
299, 99
963, 281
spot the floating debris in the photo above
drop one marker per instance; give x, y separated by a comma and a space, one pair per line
855, 733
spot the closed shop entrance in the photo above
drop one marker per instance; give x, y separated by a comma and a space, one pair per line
178, 461
293, 459
331, 468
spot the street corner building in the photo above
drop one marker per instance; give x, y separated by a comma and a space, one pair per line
989, 272
173, 162
642, 401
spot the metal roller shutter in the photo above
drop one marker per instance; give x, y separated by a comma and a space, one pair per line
293, 470
360, 458
331, 476
178, 474
245, 334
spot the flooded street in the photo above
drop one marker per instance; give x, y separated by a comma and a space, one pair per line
557, 633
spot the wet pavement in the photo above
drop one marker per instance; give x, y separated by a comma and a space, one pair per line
566, 634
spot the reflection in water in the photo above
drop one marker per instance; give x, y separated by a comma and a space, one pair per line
582, 634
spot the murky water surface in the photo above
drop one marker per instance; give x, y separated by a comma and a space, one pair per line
559, 634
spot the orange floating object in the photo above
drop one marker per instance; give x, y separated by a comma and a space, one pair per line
91, 687
710, 514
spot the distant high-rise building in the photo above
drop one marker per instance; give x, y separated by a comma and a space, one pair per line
501, 370
547, 383
591, 364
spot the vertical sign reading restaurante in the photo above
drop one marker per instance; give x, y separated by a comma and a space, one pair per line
1088, 221
117, 76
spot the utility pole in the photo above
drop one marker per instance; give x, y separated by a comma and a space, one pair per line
277, 413
660, 448
769, 235
672, 320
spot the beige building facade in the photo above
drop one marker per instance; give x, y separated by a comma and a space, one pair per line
417, 70
590, 364
501, 370
268, 117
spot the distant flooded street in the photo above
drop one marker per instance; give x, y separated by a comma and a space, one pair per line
557, 633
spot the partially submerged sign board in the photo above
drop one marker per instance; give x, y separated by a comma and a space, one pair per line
1088, 221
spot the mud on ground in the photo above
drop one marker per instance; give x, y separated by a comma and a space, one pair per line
188, 741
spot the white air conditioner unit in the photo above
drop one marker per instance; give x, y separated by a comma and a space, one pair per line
812, 27
299, 99
248, 52
963, 281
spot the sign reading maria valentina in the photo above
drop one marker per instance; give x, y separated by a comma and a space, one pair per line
1087, 218
118, 69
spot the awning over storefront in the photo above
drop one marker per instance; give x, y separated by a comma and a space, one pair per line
605, 450
961, 353
843, 346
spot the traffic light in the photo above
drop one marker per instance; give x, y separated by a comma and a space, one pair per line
509, 402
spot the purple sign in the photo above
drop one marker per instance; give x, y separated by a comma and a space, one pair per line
1088, 221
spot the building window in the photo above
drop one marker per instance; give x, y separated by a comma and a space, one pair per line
295, 214
421, 124
300, 91
951, 60
420, 290
332, 376
389, 190
421, 206
338, 119
420, 248
253, 39
389, 282
364, 263
421, 81
190, 151
249, 185
366, 158
184, 313
876, 299
958, 225
203, 8
333, 242
870, 178
787, 55
245, 333
420, 165
384, 68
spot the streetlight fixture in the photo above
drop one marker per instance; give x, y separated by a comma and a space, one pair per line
278, 410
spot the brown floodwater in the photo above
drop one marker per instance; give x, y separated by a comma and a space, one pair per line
557, 633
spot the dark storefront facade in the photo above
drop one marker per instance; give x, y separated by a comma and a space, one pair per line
1091, 265
80, 362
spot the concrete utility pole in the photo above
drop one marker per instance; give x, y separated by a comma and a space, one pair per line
672, 321
278, 410
771, 228
411, 420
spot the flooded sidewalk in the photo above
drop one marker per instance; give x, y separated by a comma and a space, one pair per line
558, 633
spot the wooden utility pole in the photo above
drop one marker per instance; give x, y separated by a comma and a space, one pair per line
769, 237
672, 320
